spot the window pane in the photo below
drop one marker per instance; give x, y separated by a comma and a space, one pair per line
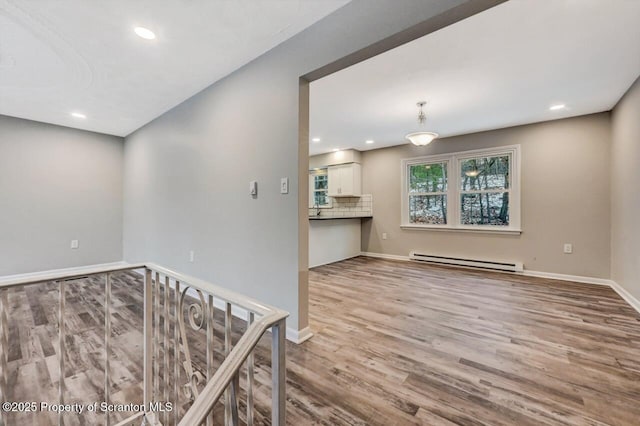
428, 209
320, 198
485, 209
428, 177
321, 182
484, 173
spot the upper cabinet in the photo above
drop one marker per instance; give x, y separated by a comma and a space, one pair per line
345, 180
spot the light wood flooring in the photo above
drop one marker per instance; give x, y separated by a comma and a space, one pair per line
395, 343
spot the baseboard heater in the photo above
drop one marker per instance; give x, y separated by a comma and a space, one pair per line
468, 263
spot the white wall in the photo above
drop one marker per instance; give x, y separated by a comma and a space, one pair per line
187, 173
625, 196
565, 198
58, 184
331, 240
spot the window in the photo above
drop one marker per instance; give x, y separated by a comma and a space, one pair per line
428, 193
472, 190
319, 188
484, 190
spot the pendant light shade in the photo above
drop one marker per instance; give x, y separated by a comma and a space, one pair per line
421, 138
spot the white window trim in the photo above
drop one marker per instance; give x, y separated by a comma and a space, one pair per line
453, 160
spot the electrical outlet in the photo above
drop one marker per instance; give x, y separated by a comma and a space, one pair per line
384, 235
192, 256
75, 244
568, 248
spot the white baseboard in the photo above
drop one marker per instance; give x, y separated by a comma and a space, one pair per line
293, 335
565, 277
334, 261
526, 272
299, 336
628, 297
622, 292
384, 256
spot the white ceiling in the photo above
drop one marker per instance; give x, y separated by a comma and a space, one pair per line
57, 57
503, 67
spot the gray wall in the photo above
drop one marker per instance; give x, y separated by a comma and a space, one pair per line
625, 196
187, 173
58, 184
565, 198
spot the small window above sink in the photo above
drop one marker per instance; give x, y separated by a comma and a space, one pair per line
319, 189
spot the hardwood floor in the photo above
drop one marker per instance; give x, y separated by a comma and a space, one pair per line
419, 344
396, 343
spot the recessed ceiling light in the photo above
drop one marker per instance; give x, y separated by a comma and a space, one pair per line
557, 107
369, 142
315, 140
145, 33
78, 115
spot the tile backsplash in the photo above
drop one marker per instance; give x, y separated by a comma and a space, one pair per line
348, 206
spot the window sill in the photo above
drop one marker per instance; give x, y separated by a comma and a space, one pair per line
477, 230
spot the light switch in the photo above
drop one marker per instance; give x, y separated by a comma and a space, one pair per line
74, 244
191, 256
253, 188
568, 248
284, 185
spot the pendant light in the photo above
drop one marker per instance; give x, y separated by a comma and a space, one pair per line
421, 138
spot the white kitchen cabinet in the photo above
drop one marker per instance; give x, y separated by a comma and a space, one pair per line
345, 180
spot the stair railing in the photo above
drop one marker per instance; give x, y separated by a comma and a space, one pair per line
178, 389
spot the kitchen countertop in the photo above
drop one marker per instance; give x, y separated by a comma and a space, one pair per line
338, 217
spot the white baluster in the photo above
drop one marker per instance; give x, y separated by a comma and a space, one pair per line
166, 346
250, 370
227, 349
4, 352
278, 374
107, 342
148, 341
156, 338
61, 348
210, 348
177, 353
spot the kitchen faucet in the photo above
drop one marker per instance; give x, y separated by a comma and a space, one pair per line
317, 207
